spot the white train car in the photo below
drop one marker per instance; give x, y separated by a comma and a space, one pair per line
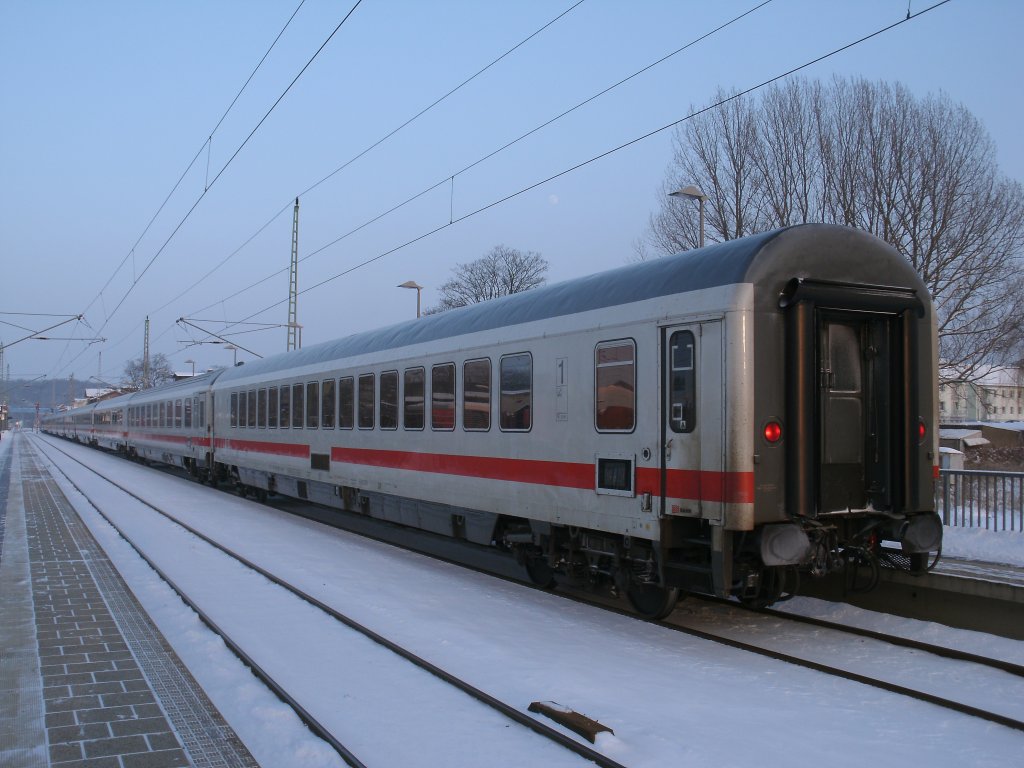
711, 421
172, 424
110, 424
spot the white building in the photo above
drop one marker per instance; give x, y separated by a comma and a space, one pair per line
997, 396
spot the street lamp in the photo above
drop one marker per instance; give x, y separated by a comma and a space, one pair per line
234, 350
692, 192
418, 287
193, 366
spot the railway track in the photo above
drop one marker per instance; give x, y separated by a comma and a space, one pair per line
1012, 674
280, 688
963, 660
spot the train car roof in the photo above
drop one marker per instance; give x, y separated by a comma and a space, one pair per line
727, 263
201, 381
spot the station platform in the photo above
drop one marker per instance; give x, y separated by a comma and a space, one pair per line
86, 678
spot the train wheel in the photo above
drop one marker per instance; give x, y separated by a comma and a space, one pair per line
540, 572
651, 600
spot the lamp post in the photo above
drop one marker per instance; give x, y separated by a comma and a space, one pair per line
419, 289
692, 192
234, 351
193, 366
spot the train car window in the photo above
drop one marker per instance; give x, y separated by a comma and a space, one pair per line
516, 405
442, 397
366, 400
412, 398
251, 419
187, 423
346, 403
170, 414
389, 400
327, 404
162, 422
243, 409
312, 404
682, 395
285, 409
177, 414
261, 408
272, 408
202, 413
615, 386
297, 406
476, 395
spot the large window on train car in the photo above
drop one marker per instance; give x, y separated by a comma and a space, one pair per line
328, 404
516, 405
170, 414
346, 403
162, 417
412, 398
243, 409
202, 412
615, 386
366, 400
178, 415
261, 408
284, 410
442, 397
682, 396
389, 400
251, 417
312, 405
476, 395
297, 406
272, 408
187, 422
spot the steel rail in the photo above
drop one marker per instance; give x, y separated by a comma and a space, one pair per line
310, 721
509, 711
902, 642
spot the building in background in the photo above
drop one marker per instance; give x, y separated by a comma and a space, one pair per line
997, 396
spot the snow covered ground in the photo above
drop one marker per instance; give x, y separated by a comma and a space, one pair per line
671, 699
984, 546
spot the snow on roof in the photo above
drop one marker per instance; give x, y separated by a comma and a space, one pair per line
958, 434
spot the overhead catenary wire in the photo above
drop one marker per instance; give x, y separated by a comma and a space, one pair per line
138, 278
449, 179
192, 162
364, 152
600, 156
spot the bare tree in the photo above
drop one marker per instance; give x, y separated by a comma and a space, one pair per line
920, 173
160, 371
501, 272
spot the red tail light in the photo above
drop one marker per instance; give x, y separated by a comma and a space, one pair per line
922, 431
773, 432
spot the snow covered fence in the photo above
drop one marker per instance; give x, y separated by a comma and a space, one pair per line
981, 499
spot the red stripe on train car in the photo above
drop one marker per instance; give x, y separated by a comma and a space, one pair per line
556, 473
731, 487
727, 487
297, 451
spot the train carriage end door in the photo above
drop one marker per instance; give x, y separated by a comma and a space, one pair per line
855, 391
693, 421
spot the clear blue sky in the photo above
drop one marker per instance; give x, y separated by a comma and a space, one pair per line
104, 104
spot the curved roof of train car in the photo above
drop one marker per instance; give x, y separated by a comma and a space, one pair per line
728, 263
203, 379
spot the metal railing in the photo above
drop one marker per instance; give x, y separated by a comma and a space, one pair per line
981, 499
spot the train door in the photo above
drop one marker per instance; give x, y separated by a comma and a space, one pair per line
692, 422
855, 395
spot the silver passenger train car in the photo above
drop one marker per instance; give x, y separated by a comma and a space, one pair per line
715, 421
